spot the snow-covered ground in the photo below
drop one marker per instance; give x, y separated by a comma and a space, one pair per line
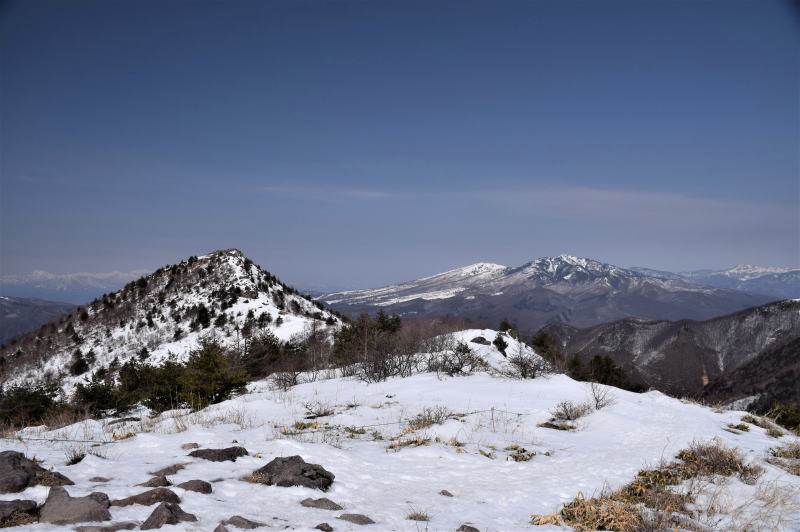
466, 454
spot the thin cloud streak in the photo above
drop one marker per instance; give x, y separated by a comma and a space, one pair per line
648, 209
328, 193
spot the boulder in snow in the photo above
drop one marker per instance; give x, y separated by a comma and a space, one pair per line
61, 509
200, 486
294, 471
18, 473
149, 497
359, 519
322, 504
220, 455
156, 482
240, 522
166, 513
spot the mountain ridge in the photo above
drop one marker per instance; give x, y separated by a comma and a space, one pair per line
563, 288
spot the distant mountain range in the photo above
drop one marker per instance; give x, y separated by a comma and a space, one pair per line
563, 289
77, 288
747, 353
20, 315
780, 283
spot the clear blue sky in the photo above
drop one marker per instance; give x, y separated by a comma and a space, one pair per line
364, 142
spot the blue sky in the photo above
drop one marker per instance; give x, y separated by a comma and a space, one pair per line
352, 144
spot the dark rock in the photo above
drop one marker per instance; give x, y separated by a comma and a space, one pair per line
221, 528
325, 527
220, 455
359, 519
445, 493
17, 512
61, 509
166, 513
241, 522
149, 498
467, 528
294, 471
18, 473
169, 470
187, 446
114, 527
99, 479
200, 486
480, 340
322, 504
156, 482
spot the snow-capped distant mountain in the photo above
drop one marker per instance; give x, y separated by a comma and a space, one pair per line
223, 294
783, 283
77, 288
562, 289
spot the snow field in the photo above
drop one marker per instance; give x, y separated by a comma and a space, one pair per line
466, 454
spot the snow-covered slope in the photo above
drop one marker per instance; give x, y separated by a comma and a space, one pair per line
488, 452
565, 289
222, 294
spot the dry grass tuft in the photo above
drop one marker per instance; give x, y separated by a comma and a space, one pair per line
255, 479
429, 416
787, 457
740, 427
556, 426
649, 503
418, 515
17, 519
602, 513
713, 458
416, 441
790, 450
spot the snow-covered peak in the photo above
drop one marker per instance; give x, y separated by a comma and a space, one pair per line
477, 269
222, 294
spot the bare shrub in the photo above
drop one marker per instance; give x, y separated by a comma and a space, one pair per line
74, 454
315, 409
456, 359
570, 411
284, 380
601, 395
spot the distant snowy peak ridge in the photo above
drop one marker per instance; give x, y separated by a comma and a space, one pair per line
743, 272
222, 294
488, 278
559, 289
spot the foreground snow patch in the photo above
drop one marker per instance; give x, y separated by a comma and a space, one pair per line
467, 454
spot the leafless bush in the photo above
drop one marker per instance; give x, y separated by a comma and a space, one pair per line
315, 409
74, 454
570, 410
601, 395
456, 359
